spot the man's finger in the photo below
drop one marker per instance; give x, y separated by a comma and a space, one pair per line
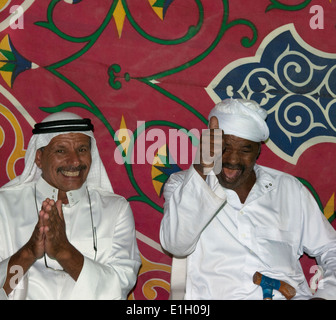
40, 226
59, 209
213, 124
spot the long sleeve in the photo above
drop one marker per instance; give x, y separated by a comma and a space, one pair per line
3, 274
319, 241
4, 259
110, 276
6, 251
327, 286
114, 278
190, 204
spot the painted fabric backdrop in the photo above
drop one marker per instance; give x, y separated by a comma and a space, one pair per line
147, 72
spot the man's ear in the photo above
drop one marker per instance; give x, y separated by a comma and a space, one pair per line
38, 157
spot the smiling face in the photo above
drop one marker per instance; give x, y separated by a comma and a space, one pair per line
65, 162
238, 160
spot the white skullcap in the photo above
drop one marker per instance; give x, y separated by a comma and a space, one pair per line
241, 118
97, 176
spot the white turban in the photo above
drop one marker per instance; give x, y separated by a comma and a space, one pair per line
242, 118
97, 176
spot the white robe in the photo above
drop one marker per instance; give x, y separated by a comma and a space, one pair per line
227, 242
114, 272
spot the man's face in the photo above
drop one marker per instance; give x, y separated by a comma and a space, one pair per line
65, 162
238, 160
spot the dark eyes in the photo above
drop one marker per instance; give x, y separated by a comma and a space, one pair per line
243, 150
80, 150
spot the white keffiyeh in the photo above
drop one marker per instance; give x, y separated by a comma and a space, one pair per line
97, 176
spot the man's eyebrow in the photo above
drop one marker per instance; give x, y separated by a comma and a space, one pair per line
85, 145
58, 145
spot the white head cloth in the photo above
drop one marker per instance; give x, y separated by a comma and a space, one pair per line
97, 176
241, 118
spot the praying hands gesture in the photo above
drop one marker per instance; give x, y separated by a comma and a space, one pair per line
49, 237
49, 233
52, 229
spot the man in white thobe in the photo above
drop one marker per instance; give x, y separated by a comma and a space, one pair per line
64, 234
231, 217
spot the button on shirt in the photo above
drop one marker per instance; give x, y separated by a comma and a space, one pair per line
110, 276
227, 242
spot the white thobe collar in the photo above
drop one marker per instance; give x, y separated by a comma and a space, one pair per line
264, 183
48, 191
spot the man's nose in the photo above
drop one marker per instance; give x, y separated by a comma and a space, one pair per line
73, 158
232, 158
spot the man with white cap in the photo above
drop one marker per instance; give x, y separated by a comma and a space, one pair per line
228, 217
64, 234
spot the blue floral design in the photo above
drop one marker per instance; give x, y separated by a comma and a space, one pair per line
294, 82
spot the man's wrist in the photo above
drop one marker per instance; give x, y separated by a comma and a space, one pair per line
71, 260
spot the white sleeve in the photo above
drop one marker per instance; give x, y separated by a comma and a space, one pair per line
327, 285
3, 261
190, 204
114, 279
319, 241
3, 277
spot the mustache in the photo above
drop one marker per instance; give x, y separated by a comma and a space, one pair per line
233, 166
72, 168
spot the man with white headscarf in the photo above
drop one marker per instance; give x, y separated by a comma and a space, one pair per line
64, 234
227, 218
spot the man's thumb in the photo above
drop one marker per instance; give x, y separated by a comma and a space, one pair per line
213, 124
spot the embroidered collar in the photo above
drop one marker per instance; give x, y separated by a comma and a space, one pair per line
48, 191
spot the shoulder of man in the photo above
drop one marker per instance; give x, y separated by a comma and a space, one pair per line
17, 188
108, 196
279, 176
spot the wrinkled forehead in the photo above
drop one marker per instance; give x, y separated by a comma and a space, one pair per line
71, 137
42, 140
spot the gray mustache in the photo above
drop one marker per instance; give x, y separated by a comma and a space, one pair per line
72, 169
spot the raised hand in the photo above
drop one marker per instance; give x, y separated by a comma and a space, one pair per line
35, 245
56, 241
56, 244
210, 149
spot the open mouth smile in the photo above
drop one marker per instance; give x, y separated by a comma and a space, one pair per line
231, 173
70, 173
